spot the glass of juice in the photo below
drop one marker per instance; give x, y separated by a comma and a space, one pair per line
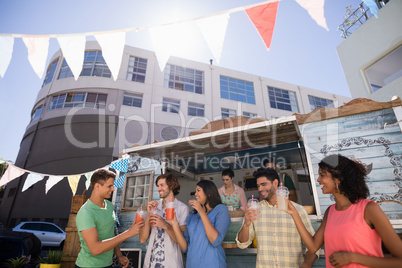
169, 210
140, 215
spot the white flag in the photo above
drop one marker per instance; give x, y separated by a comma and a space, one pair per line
316, 11
11, 173
214, 29
52, 181
73, 48
31, 179
6, 52
112, 50
37, 53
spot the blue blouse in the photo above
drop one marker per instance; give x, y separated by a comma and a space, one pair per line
201, 253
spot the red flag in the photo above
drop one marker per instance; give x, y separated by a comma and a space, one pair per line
263, 18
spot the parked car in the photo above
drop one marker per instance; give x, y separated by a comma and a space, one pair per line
18, 244
49, 233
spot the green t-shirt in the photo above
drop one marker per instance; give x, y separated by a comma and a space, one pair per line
89, 216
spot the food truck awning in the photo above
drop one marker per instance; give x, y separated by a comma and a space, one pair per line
198, 153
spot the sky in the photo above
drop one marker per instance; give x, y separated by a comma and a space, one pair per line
301, 52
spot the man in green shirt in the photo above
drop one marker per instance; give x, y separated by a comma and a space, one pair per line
95, 224
287, 181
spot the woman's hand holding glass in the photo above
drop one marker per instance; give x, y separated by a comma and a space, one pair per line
197, 206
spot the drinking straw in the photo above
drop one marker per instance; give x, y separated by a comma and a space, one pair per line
252, 197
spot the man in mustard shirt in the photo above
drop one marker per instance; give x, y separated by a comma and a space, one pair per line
95, 224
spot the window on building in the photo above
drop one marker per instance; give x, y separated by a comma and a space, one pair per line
89, 100
195, 109
316, 102
237, 90
282, 99
170, 106
94, 65
37, 113
50, 73
169, 133
65, 71
137, 190
250, 115
227, 112
185, 79
137, 68
133, 100
385, 70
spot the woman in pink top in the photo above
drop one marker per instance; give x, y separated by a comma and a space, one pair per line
352, 228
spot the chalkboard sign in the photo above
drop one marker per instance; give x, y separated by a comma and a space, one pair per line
133, 255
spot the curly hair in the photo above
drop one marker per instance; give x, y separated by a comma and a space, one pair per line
268, 173
351, 174
171, 182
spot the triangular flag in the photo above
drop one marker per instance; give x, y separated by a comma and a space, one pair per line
52, 181
372, 5
6, 52
169, 40
316, 11
120, 181
37, 53
73, 48
73, 182
31, 179
11, 173
214, 29
120, 165
88, 175
112, 50
263, 18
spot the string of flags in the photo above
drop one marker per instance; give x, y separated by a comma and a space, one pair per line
213, 28
13, 172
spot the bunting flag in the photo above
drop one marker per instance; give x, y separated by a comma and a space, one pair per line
120, 181
372, 5
73, 48
316, 11
73, 182
37, 53
88, 176
120, 165
163, 39
112, 50
31, 179
214, 30
11, 173
263, 17
6, 52
52, 181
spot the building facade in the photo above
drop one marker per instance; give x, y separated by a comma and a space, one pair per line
371, 54
81, 125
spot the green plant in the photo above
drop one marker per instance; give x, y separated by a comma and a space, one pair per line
52, 257
19, 262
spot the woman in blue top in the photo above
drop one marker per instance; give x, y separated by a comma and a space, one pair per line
206, 227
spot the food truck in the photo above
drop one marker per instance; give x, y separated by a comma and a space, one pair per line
363, 129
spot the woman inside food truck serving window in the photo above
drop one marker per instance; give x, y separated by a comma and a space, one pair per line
352, 228
232, 195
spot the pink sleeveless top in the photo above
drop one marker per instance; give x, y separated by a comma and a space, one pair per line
348, 231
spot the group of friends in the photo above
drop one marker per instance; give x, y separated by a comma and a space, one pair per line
352, 229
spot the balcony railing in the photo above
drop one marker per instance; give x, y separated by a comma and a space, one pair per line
357, 18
